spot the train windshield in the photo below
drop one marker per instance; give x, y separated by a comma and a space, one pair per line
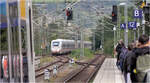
55, 43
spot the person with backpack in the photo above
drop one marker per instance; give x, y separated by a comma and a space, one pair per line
131, 62
125, 64
139, 60
122, 56
118, 50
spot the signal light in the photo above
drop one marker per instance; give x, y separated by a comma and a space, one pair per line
114, 14
69, 13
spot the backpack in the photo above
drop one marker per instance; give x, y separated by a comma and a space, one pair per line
143, 68
122, 57
147, 77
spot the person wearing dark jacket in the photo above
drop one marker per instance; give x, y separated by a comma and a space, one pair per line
118, 49
142, 49
126, 64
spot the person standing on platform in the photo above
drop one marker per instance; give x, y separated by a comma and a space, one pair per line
139, 60
118, 50
126, 64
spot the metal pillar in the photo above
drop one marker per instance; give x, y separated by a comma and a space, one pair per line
117, 34
103, 35
114, 29
20, 42
94, 40
134, 31
82, 43
118, 23
126, 21
143, 23
138, 31
30, 47
9, 41
134, 35
76, 39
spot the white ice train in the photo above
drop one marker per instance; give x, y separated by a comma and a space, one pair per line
60, 46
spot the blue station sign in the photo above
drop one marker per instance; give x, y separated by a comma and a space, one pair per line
123, 26
138, 13
132, 25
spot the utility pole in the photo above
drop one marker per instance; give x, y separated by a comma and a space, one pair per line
81, 37
114, 29
134, 30
138, 29
135, 33
81, 43
118, 23
138, 24
143, 23
102, 34
143, 20
94, 40
126, 21
76, 39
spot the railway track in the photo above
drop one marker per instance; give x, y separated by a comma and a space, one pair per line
83, 74
63, 58
41, 72
61, 62
86, 72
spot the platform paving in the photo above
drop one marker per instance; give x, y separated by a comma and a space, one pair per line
109, 73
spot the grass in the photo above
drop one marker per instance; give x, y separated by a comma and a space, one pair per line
45, 60
98, 52
87, 53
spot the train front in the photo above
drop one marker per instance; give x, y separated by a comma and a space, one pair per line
55, 47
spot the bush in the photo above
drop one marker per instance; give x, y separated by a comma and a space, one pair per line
87, 53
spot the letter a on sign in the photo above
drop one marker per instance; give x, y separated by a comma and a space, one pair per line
123, 26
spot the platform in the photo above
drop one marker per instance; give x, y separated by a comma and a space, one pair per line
109, 73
